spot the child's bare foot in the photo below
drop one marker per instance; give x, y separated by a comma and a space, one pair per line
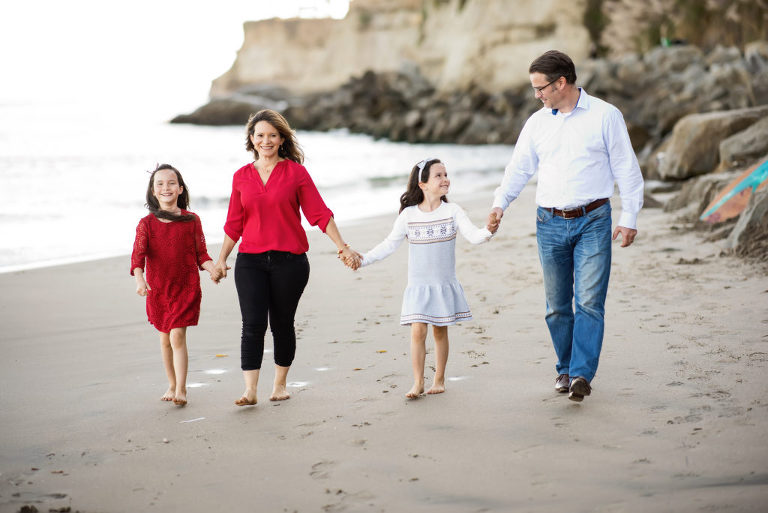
168, 395
438, 387
248, 399
279, 393
415, 391
180, 399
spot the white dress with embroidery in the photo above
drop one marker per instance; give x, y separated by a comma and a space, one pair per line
433, 295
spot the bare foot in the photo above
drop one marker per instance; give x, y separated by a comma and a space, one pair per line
438, 387
279, 393
168, 395
415, 391
180, 399
248, 399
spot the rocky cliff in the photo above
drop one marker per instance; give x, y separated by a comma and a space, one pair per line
453, 43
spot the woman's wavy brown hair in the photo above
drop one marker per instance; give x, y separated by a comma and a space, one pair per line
290, 148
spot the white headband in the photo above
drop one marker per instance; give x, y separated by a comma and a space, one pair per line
423, 163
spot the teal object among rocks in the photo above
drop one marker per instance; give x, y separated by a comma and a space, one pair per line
741, 188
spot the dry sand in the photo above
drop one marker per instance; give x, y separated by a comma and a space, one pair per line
677, 420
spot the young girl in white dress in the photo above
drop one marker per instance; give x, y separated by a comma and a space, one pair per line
433, 295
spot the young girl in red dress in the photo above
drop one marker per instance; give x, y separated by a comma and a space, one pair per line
170, 242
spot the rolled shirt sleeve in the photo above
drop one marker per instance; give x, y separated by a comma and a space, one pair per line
312, 204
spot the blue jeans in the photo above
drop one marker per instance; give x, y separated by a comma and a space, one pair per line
575, 257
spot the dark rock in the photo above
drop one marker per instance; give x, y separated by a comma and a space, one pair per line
744, 147
650, 165
654, 91
723, 55
672, 59
221, 112
756, 56
651, 202
750, 235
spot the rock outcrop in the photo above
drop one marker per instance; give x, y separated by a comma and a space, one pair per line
745, 146
454, 43
694, 147
749, 236
653, 91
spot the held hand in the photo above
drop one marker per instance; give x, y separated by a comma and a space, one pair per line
494, 219
493, 222
627, 235
353, 262
221, 269
215, 275
351, 258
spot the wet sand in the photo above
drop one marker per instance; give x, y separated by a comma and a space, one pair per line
677, 420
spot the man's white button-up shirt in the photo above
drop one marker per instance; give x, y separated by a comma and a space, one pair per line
578, 155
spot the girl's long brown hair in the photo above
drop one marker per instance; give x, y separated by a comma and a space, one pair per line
413, 195
182, 201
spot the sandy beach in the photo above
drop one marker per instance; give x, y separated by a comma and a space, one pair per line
677, 420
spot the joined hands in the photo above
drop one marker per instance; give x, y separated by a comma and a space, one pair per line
351, 258
494, 219
219, 272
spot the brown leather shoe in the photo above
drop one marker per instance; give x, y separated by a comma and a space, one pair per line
561, 383
579, 388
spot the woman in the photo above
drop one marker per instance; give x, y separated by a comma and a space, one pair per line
272, 269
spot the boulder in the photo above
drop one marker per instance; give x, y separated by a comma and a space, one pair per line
650, 165
756, 56
744, 147
221, 112
697, 193
723, 55
694, 147
750, 235
666, 60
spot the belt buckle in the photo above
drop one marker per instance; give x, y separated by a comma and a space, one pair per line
570, 214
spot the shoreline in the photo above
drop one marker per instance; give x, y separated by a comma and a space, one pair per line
676, 420
65, 261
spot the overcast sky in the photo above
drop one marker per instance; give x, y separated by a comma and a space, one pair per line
166, 52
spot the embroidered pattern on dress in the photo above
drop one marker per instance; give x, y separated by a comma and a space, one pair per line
459, 316
431, 231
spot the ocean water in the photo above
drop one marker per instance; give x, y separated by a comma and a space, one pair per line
73, 175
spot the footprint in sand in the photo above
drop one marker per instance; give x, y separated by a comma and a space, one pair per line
321, 469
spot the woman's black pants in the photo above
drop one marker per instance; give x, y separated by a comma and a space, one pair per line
269, 286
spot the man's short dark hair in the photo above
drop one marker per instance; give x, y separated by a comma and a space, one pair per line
554, 65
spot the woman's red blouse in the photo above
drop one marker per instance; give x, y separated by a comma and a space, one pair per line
266, 216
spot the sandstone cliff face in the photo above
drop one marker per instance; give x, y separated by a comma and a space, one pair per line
453, 43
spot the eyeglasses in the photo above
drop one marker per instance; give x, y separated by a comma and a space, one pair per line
538, 90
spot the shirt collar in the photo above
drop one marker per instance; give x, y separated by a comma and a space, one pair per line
582, 102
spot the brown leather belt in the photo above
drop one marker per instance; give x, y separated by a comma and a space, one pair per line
573, 213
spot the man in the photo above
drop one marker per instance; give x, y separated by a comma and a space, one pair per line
580, 146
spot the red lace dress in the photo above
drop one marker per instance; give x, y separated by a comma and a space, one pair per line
173, 253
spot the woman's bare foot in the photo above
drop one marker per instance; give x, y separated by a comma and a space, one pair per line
248, 399
279, 393
180, 399
168, 395
415, 391
438, 387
